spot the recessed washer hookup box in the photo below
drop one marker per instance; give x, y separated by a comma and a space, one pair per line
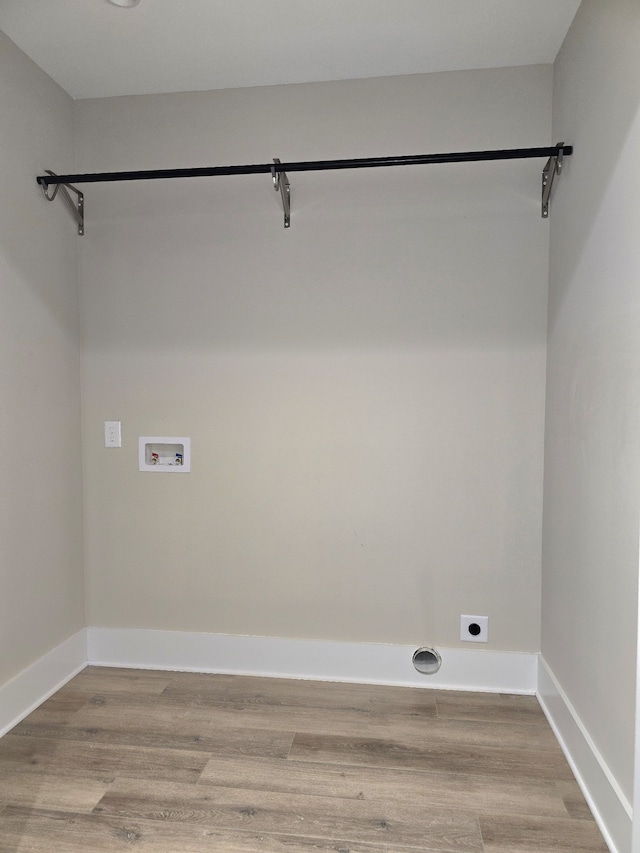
162, 454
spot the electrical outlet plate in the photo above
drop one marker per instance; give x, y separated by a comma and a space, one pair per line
474, 629
112, 434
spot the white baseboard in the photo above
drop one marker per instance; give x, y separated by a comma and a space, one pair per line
610, 807
23, 693
368, 663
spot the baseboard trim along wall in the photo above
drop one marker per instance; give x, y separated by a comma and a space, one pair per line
321, 660
31, 687
610, 807
369, 663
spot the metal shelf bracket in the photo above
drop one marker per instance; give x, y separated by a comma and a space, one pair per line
76, 207
552, 167
281, 182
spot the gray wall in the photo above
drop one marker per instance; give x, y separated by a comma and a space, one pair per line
592, 463
364, 392
41, 566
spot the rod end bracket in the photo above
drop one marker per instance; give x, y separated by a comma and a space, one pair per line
75, 207
552, 167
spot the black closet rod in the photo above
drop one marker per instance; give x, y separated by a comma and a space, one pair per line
308, 166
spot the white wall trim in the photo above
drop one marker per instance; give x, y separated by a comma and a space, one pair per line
611, 808
635, 841
31, 687
369, 663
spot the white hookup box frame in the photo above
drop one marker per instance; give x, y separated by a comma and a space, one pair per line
164, 454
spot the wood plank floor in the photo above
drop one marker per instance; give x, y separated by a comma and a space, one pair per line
156, 762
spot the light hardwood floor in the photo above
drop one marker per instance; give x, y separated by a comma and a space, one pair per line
157, 762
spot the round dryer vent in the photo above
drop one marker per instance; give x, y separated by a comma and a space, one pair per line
427, 661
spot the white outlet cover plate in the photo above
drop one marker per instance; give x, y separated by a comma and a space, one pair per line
112, 434
482, 622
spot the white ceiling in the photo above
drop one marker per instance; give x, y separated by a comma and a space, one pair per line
94, 49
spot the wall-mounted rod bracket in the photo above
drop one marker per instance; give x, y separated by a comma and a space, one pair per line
76, 207
552, 167
281, 182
